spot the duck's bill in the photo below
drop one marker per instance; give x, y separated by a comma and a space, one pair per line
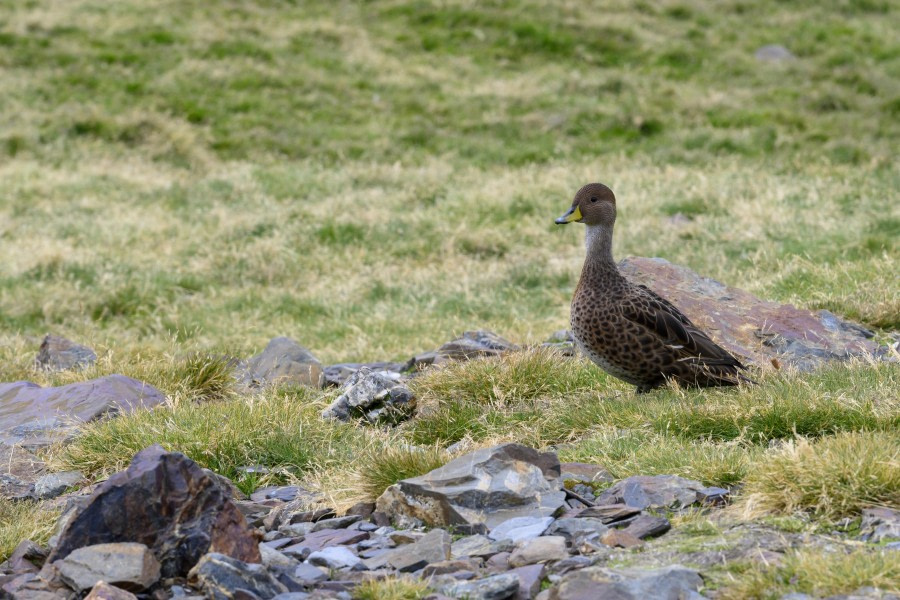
573, 214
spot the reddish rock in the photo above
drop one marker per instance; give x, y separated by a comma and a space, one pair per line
165, 501
104, 591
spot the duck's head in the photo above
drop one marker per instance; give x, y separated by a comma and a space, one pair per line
594, 204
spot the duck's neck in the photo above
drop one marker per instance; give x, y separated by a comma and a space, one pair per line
598, 243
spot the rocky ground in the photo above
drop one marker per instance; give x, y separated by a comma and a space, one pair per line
502, 522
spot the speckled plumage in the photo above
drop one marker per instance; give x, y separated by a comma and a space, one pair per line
627, 329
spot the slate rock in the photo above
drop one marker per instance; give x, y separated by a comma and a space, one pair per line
585, 472
520, 529
105, 591
26, 557
272, 558
220, 576
285, 493
329, 537
530, 577
479, 546
574, 528
597, 583
338, 374
474, 344
433, 547
648, 526
880, 524
59, 354
35, 417
750, 328
308, 573
488, 486
539, 550
282, 515
362, 509
656, 492
54, 484
283, 362
448, 567
126, 565
713, 496
334, 557
609, 513
165, 501
496, 587
374, 397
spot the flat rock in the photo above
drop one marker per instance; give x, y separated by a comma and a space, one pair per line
165, 501
620, 538
374, 397
329, 537
34, 417
474, 344
496, 587
338, 374
598, 583
530, 577
272, 558
283, 362
880, 524
285, 493
433, 547
520, 529
220, 577
334, 557
653, 491
125, 565
648, 526
59, 354
308, 573
104, 591
609, 513
750, 328
479, 546
573, 528
54, 484
539, 550
488, 486
584, 472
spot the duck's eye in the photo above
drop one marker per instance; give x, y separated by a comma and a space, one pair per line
593, 199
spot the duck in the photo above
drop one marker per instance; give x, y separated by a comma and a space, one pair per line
627, 329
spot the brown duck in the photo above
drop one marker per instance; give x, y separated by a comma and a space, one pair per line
627, 329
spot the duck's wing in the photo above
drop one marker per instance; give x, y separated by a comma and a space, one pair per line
661, 318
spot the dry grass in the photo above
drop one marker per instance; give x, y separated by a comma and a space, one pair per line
392, 588
23, 521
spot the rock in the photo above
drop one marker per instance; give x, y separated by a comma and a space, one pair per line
585, 472
19, 469
104, 591
575, 528
334, 557
713, 496
363, 510
219, 576
307, 573
26, 557
529, 581
373, 397
749, 327
54, 484
598, 583
125, 565
226, 485
479, 546
520, 529
35, 417
609, 513
656, 492
563, 341
648, 526
271, 557
284, 514
488, 486
880, 524
433, 547
59, 354
620, 538
447, 567
498, 562
165, 501
328, 537
283, 362
335, 522
495, 587
337, 375
539, 550
773, 53
285, 493
474, 344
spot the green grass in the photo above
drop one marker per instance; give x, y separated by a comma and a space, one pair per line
23, 521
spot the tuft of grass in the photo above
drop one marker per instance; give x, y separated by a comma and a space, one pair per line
385, 465
23, 521
819, 573
833, 477
391, 588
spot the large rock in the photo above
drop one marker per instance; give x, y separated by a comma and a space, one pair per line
372, 396
656, 491
283, 361
751, 328
59, 354
34, 417
485, 487
165, 501
598, 583
127, 565
223, 577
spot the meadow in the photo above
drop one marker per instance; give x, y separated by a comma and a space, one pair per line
183, 180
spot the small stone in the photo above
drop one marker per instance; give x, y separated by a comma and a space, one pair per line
273, 558
26, 557
285, 493
654, 492
126, 565
433, 547
713, 496
334, 557
283, 361
104, 591
478, 545
54, 484
648, 526
539, 550
59, 354
328, 537
219, 576
335, 523
362, 509
446, 567
495, 587
520, 528
308, 573
619, 538
572, 528
773, 53
498, 562
530, 577
372, 396
609, 513
585, 472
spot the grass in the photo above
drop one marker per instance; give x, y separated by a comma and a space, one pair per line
385, 466
23, 521
391, 588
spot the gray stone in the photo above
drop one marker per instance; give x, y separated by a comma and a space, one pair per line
283, 362
478, 545
129, 566
59, 354
773, 53
585, 472
285, 493
334, 557
880, 524
308, 573
433, 547
273, 558
487, 486
26, 557
530, 577
474, 344
334, 523
328, 537
374, 397
495, 587
574, 528
19, 469
519, 529
54, 484
648, 526
597, 583
656, 492
35, 417
104, 591
337, 375
449, 567
609, 513
539, 550
220, 577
